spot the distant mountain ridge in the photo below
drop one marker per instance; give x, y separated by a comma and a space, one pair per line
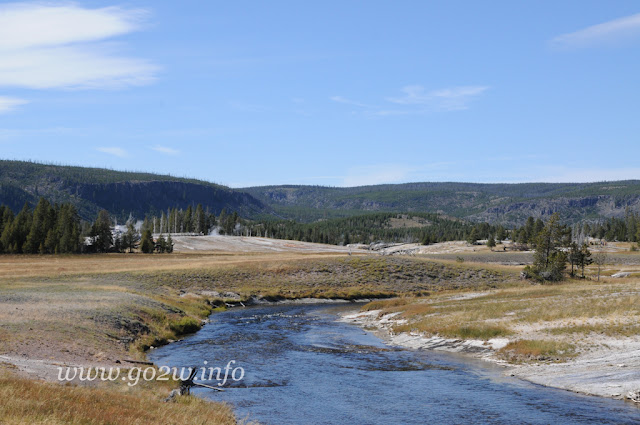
496, 202
121, 193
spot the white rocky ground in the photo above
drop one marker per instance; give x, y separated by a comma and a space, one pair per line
249, 244
610, 369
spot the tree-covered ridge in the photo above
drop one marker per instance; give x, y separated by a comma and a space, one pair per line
517, 191
499, 203
121, 193
140, 194
30, 173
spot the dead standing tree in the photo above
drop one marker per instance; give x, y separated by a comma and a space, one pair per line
600, 258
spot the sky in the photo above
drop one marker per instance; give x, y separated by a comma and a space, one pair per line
334, 93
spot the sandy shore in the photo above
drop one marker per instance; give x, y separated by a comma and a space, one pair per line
610, 369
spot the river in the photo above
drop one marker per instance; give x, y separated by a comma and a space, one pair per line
302, 366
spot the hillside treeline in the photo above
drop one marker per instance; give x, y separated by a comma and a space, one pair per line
625, 229
616, 229
373, 227
48, 229
195, 220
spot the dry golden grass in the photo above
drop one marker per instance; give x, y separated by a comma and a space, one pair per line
539, 350
26, 402
16, 266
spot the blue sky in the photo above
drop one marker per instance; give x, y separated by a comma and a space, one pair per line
336, 93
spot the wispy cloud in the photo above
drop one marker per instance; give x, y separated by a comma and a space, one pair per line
8, 104
340, 99
416, 100
119, 152
607, 32
449, 99
165, 150
46, 45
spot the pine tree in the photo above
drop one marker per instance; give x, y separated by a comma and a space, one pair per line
101, 232
131, 237
501, 234
188, 220
146, 243
222, 220
169, 245
585, 257
14, 235
549, 258
200, 220
473, 236
574, 256
162, 244
40, 225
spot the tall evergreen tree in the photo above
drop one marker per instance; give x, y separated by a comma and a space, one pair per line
131, 237
146, 243
200, 220
169, 244
101, 232
549, 259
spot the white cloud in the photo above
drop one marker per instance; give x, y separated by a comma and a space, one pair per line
113, 151
44, 45
449, 99
606, 32
25, 25
8, 104
165, 150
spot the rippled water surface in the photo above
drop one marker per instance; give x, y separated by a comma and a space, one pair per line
303, 367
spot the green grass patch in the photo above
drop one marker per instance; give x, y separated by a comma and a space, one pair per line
185, 325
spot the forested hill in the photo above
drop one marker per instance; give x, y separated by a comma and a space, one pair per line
509, 204
121, 193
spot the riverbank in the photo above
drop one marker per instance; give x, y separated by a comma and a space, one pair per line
103, 310
580, 337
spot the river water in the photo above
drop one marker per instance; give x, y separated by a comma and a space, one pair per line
302, 366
